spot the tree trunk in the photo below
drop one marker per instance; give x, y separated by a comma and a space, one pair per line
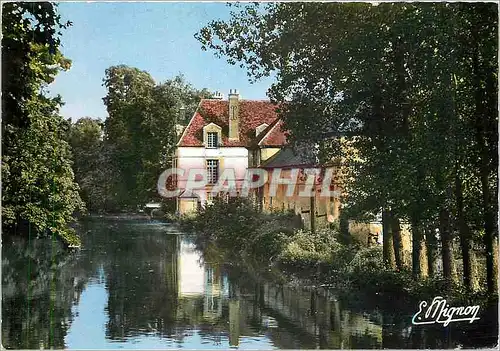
419, 264
446, 247
495, 266
388, 247
345, 236
464, 233
398, 242
489, 228
431, 245
485, 112
474, 281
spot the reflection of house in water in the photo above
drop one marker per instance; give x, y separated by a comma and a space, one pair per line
197, 278
212, 307
191, 270
207, 284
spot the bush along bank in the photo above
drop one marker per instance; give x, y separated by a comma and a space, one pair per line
236, 232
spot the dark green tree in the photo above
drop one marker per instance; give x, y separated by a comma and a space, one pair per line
411, 87
38, 188
140, 129
92, 163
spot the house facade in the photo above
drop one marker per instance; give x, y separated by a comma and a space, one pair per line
236, 134
239, 134
221, 136
315, 197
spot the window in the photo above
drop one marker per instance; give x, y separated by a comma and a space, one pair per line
213, 171
212, 136
260, 129
212, 139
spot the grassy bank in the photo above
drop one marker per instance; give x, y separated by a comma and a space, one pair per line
236, 232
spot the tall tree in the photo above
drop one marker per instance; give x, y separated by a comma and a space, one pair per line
38, 189
406, 84
140, 130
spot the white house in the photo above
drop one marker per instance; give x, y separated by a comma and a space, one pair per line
223, 134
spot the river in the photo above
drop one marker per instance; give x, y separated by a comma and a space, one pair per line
142, 284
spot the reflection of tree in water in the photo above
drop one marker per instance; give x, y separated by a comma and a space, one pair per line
40, 284
141, 279
399, 333
298, 318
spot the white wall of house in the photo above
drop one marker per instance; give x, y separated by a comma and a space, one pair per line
235, 158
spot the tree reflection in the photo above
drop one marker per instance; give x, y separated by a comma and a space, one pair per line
141, 279
40, 283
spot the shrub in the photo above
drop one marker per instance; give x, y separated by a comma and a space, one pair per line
236, 226
307, 248
268, 244
367, 259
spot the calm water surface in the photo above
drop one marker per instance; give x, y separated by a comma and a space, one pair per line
140, 284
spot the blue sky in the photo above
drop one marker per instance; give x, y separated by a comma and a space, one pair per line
154, 37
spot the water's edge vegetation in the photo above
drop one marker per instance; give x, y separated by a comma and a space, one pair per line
274, 245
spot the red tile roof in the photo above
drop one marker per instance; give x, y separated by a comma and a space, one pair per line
252, 113
274, 135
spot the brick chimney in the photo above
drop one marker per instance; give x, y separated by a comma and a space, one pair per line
218, 95
234, 118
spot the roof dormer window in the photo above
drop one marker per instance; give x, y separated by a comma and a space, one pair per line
212, 136
212, 140
261, 128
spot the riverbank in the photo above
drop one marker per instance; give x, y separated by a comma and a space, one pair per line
71, 239
272, 244
117, 216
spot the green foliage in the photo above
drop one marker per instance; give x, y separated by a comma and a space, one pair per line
411, 88
268, 241
30, 57
93, 171
38, 188
140, 130
237, 227
367, 259
311, 248
228, 223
